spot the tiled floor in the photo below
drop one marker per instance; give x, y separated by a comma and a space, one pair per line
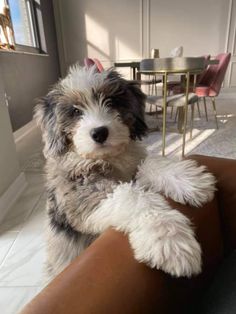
21, 234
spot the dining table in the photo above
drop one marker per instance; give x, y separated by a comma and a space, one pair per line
134, 65
184, 67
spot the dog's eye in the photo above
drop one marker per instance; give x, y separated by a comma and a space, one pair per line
76, 111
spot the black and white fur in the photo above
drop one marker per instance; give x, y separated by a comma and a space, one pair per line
93, 185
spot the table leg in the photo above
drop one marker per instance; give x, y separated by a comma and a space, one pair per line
164, 114
134, 72
185, 112
138, 76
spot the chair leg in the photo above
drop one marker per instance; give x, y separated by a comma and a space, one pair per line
150, 108
176, 114
204, 100
156, 112
192, 119
214, 108
171, 113
198, 108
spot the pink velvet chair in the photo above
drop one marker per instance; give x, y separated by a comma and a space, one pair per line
98, 64
180, 87
211, 81
88, 62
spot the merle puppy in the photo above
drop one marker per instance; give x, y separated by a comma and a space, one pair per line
98, 176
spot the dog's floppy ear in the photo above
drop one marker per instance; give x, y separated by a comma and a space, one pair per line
55, 140
137, 102
129, 98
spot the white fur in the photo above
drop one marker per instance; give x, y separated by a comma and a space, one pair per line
183, 181
84, 79
94, 117
160, 236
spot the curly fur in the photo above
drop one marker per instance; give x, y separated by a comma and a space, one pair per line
92, 186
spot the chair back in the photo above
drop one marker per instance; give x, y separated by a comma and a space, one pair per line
155, 53
98, 64
88, 62
215, 73
200, 76
177, 52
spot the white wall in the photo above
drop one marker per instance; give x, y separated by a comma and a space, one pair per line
9, 166
127, 29
12, 180
199, 26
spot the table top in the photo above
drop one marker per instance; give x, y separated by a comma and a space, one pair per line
136, 64
127, 64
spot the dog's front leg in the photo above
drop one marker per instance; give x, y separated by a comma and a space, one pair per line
183, 181
160, 236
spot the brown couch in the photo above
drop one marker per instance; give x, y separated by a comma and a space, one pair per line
107, 279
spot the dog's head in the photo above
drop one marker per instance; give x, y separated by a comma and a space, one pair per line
94, 114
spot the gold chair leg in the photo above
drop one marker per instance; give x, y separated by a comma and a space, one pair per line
204, 100
176, 114
198, 109
214, 108
149, 87
180, 121
155, 88
185, 112
164, 114
192, 119
171, 113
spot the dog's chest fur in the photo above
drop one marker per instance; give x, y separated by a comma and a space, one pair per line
75, 187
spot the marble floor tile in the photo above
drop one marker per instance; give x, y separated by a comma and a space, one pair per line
21, 210
13, 299
28, 146
23, 265
6, 241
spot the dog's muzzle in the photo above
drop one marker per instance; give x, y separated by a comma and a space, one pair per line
99, 135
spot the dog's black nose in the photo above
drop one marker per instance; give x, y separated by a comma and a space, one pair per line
100, 134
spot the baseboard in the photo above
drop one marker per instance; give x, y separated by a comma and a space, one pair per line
26, 129
11, 195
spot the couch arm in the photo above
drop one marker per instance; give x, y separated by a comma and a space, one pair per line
107, 279
104, 279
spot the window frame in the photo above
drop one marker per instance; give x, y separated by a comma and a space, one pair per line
35, 28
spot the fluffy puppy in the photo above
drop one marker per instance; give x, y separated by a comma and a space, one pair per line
98, 176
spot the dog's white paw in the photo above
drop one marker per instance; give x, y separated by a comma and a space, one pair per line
168, 243
183, 181
196, 186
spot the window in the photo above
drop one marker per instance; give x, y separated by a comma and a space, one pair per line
27, 23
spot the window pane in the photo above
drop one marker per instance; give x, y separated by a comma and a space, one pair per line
22, 22
6, 34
